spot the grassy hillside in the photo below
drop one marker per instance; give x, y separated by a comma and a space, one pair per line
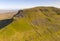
34, 24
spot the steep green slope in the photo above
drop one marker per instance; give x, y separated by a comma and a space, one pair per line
35, 24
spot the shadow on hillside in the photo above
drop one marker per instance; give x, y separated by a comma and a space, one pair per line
4, 23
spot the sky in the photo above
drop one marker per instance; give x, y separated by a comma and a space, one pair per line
22, 4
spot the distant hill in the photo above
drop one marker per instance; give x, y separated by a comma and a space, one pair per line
7, 14
33, 24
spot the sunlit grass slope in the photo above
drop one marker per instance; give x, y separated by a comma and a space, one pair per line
34, 24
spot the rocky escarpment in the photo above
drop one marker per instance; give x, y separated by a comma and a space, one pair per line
7, 21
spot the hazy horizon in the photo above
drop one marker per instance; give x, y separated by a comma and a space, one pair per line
23, 4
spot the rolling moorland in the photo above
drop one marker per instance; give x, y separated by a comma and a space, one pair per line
33, 24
